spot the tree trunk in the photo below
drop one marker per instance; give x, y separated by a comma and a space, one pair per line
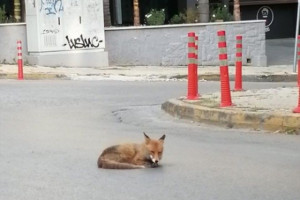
106, 10
17, 10
236, 10
23, 11
136, 13
203, 11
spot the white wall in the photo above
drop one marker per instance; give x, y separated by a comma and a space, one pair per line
167, 45
161, 45
57, 25
9, 34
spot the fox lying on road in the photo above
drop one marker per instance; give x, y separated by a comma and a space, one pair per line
133, 156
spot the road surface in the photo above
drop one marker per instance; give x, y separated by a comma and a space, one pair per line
52, 132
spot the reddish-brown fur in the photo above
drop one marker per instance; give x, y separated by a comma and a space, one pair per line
132, 156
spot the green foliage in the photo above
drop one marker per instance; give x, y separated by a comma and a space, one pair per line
2, 14
191, 16
221, 13
155, 17
178, 19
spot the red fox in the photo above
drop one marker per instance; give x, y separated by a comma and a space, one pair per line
133, 156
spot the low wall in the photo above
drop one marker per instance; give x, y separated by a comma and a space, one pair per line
9, 34
159, 45
167, 45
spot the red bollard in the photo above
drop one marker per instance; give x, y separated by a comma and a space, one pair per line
196, 63
224, 76
20, 60
238, 64
298, 58
192, 68
297, 109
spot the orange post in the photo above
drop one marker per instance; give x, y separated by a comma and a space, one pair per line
297, 109
298, 59
238, 64
224, 76
192, 68
20, 60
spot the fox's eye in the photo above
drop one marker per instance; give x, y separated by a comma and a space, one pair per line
152, 152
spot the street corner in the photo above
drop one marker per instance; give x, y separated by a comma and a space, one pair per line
207, 110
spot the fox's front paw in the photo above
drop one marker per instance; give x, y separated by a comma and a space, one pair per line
154, 165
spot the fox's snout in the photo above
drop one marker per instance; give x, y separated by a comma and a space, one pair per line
154, 160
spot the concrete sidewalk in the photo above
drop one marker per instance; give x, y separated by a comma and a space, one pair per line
149, 73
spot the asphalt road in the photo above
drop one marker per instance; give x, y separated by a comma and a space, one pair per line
52, 132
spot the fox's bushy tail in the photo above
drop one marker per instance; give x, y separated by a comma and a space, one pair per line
111, 164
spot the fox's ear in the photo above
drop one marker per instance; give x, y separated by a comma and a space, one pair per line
162, 138
147, 138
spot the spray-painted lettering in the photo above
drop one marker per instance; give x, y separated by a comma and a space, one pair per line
51, 7
81, 42
50, 31
74, 3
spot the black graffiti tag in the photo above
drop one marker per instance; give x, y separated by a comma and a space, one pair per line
81, 42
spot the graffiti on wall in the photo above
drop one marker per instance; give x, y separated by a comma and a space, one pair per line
81, 42
74, 3
50, 31
51, 7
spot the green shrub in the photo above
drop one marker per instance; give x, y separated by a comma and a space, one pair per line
2, 14
178, 19
155, 17
221, 13
191, 15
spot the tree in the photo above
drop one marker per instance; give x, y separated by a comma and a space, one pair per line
17, 10
236, 10
203, 11
136, 13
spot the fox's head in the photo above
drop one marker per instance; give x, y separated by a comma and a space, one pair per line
155, 148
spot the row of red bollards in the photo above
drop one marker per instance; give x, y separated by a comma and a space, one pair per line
224, 75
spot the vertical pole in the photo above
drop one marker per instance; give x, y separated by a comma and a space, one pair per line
296, 38
297, 109
196, 64
298, 58
192, 69
20, 60
224, 76
238, 64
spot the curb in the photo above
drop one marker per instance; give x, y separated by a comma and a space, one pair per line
34, 76
234, 118
247, 78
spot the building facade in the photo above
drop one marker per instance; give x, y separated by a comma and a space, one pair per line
280, 16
